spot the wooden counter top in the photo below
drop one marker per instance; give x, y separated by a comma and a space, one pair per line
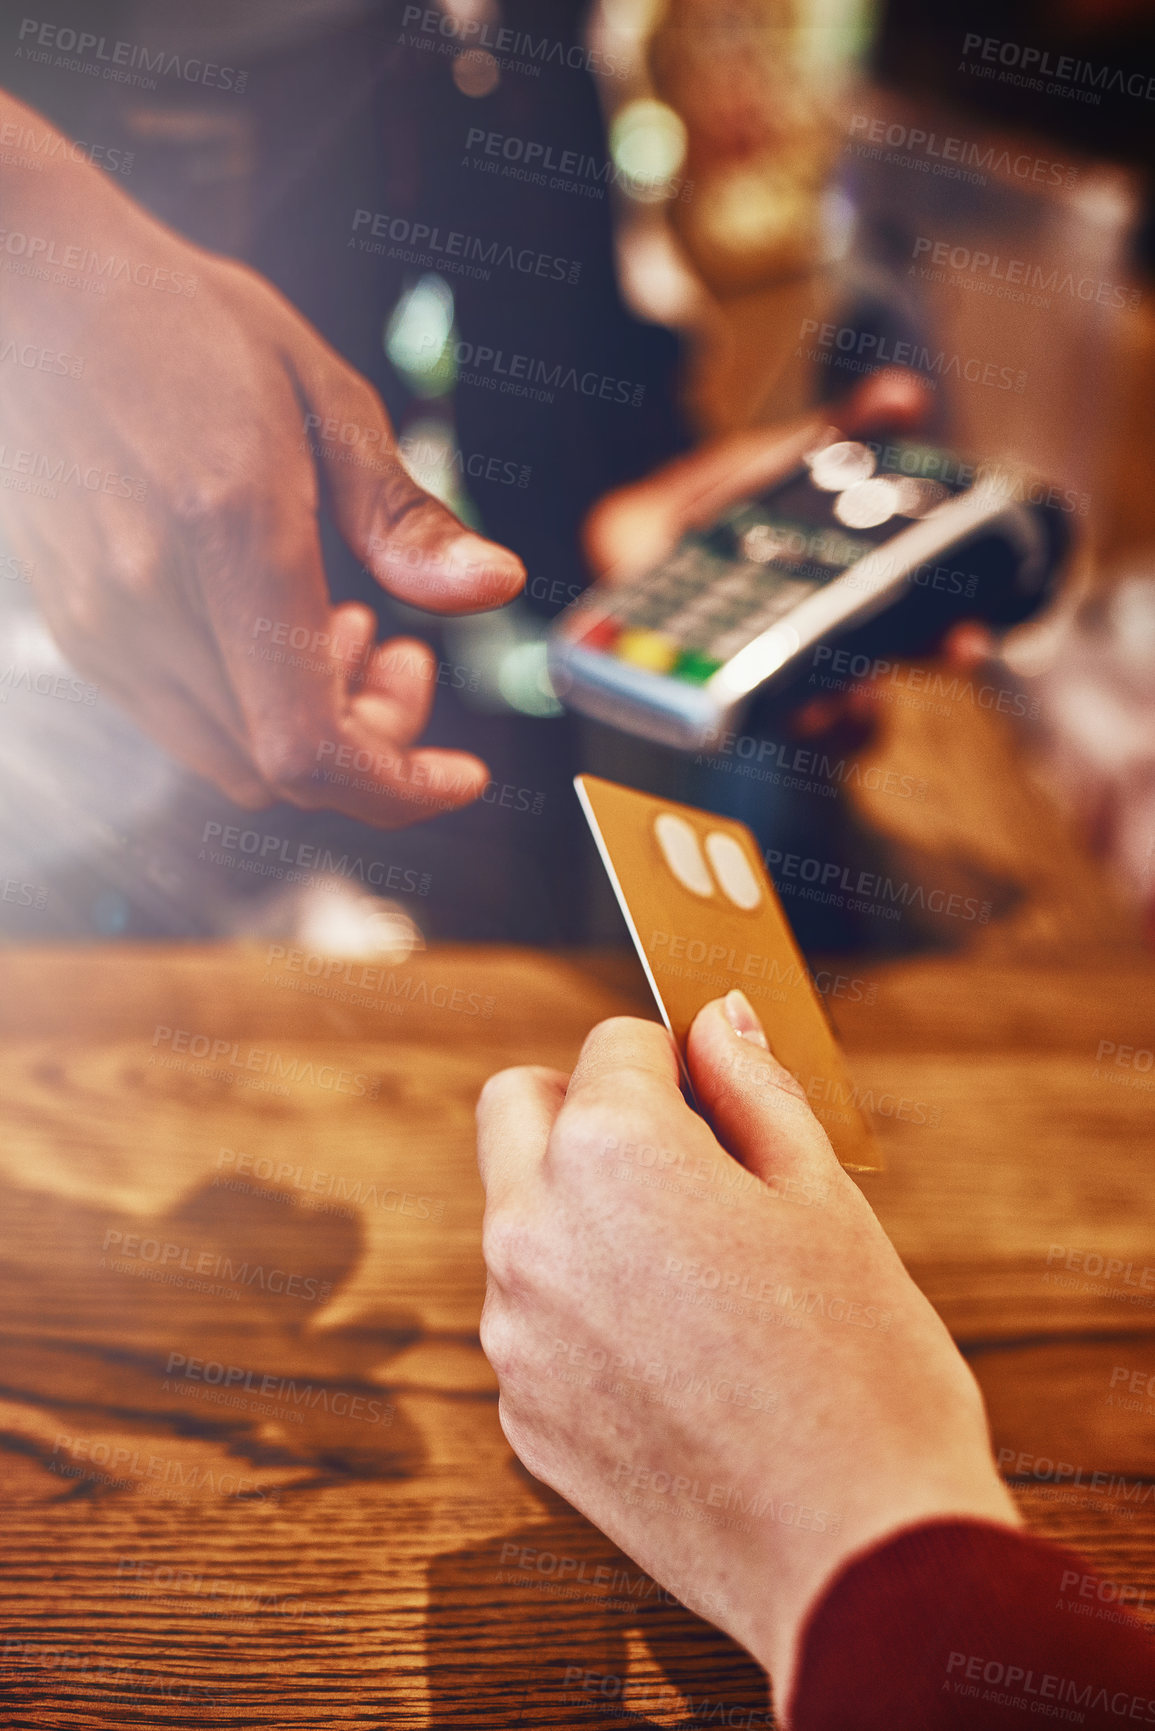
253, 1472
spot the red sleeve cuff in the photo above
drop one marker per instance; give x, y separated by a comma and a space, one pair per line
961, 1624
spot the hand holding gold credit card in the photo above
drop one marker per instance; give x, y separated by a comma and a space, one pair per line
704, 918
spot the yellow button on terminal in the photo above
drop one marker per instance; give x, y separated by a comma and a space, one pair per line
652, 650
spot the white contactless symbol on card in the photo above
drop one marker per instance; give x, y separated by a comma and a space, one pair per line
682, 853
733, 870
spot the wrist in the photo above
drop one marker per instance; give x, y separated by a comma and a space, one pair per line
60, 209
980, 1496
36, 162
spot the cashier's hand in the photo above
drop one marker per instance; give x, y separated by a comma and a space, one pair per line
630, 530
192, 424
724, 1366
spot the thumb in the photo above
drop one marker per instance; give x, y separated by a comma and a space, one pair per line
758, 1110
890, 397
412, 544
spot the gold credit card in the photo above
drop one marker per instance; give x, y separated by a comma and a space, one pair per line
705, 917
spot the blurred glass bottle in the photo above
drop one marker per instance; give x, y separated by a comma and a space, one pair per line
761, 87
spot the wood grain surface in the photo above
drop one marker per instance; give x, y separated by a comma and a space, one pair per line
253, 1472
